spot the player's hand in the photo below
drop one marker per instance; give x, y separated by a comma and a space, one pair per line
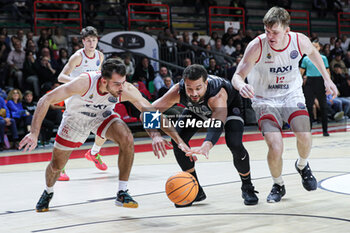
158, 144
331, 88
29, 142
246, 91
188, 151
203, 150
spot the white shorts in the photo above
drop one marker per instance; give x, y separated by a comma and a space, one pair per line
74, 131
281, 109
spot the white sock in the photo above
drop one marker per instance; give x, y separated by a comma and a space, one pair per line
301, 163
95, 149
122, 185
278, 180
49, 189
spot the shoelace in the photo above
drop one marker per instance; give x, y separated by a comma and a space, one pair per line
98, 157
126, 195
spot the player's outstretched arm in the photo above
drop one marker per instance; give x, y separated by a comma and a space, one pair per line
73, 62
250, 57
307, 48
78, 86
218, 105
130, 93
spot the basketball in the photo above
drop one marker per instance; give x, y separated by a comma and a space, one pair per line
181, 188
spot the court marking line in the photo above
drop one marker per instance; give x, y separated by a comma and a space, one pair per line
195, 215
329, 190
154, 193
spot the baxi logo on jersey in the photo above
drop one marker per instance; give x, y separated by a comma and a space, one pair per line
151, 120
280, 70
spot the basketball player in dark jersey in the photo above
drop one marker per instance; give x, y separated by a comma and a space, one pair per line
209, 98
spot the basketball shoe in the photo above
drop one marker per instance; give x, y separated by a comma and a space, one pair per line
200, 197
43, 203
249, 194
125, 200
63, 176
276, 194
96, 159
308, 180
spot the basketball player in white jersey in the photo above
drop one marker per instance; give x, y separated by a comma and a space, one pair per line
85, 60
92, 97
271, 63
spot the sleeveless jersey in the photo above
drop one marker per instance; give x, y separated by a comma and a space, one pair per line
215, 84
87, 64
93, 104
276, 73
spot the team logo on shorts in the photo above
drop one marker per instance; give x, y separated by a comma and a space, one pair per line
268, 56
98, 62
301, 105
236, 111
113, 99
294, 54
106, 113
151, 120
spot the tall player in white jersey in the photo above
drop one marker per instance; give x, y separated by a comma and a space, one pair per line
92, 97
275, 86
85, 60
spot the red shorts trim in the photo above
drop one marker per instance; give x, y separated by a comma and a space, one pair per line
67, 143
104, 123
297, 113
268, 117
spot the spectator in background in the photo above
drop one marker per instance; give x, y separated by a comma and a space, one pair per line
321, 7
31, 47
338, 60
59, 39
62, 59
30, 73
195, 37
205, 55
15, 60
168, 83
213, 68
129, 66
229, 48
229, 34
344, 42
159, 79
4, 51
337, 48
46, 131
3, 31
144, 72
347, 61
7, 121
220, 60
327, 52
14, 104
46, 74
238, 52
214, 36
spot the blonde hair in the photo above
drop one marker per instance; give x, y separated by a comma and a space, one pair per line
10, 95
276, 15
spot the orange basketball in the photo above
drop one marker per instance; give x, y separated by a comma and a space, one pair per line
181, 188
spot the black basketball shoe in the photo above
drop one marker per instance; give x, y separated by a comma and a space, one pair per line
43, 203
248, 194
308, 180
200, 197
125, 200
276, 194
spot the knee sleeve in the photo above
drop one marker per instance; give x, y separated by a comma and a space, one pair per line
233, 136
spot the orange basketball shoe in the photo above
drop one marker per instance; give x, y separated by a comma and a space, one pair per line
96, 159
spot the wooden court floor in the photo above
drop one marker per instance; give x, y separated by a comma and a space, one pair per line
86, 202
